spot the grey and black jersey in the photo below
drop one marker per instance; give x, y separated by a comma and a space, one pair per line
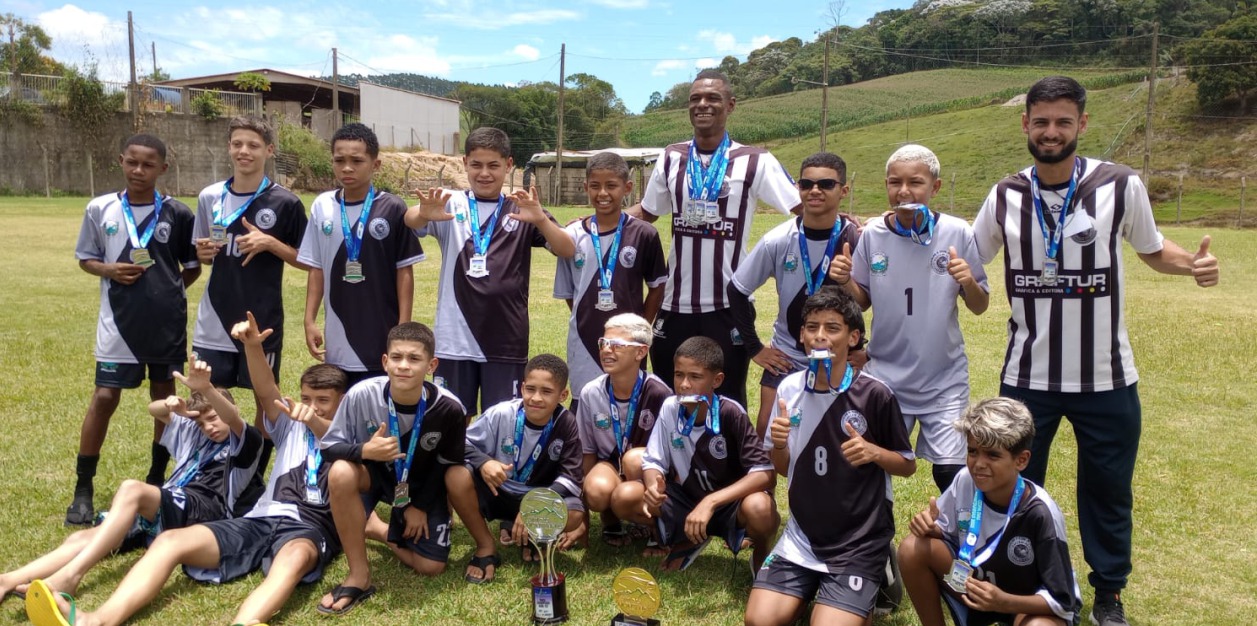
285, 494
483, 319
492, 436
146, 321
841, 518
234, 288
702, 258
704, 462
359, 315
593, 413
640, 262
1071, 336
915, 343
219, 471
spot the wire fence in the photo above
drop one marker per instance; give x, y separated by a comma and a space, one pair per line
42, 90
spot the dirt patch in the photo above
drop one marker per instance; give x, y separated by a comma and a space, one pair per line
1016, 101
409, 172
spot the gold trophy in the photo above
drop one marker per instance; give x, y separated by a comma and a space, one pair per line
545, 516
637, 596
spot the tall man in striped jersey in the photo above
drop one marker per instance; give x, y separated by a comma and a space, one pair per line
709, 186
1068, 352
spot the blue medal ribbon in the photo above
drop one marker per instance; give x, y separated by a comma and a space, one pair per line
140, 240
814, 278
966, 552
686, 419
927, 226
705, 182
522, 474
314, 458
1052, 237
353, 237
606, 270
813, 367
622, 438
227, 220
401, 467
192, 469
480, 241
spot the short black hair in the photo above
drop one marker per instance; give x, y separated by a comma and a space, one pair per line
488, 138
253, 123
712, 73
608, 162
356, 131
549, 363
704, 351
828, 160
145, 140
412, 331
325, 376
1057, 88
832, 298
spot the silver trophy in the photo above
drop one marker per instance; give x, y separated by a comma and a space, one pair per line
545, 516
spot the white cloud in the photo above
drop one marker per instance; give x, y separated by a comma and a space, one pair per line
705, 63
81, 27
477, 20
726, 43
402, 53
526, 51
622, 4
663, 67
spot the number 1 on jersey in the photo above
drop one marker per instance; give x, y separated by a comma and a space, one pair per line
908, 294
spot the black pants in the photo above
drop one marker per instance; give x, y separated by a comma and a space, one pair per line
1107, 426
671, 329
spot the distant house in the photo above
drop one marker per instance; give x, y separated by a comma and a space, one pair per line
400, 118
542, 167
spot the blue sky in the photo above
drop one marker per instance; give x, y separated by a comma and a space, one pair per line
639, 46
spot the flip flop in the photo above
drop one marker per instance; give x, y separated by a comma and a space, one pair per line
356, 596
41, 606
687, 556
483, 562
616, 535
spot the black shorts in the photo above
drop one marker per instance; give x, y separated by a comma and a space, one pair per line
505, 505
671, 520
436, 546
671, 329
176, 510
490, 383
248, 543
772, 381
130, 375
357, 377
852, 593
231, 369
962, 615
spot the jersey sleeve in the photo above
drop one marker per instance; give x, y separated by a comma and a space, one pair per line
751, 452
565, 270
887, 426
204, 215
657, 456
986, 229
538, 239
1056, 573
654, 263
860, 261
585, 418
1138, 226
342, 439
453, 450
179, 438
657, 198
571, 471
755, 270
295, 227
310, 253
245, 449
91, 243
408, 250
481, 437
185, 223
971, 256
774, 184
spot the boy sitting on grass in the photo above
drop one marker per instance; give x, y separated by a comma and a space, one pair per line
512, 448
996, 540
215, 454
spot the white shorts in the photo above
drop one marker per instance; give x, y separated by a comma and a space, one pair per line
938, 442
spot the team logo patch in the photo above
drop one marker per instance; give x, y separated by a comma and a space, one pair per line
326, 227
111, 228
718, 447
510, 224
508, 446
659, 328
1085, 238
162, 232
735, 337
791, 262
767, 562
439, 381
646, 420
938, 262
628, 256
602, 421
379, 228
724, 187
108, 368
555, 449
856, 420
429, 441
855, 582
962, 520
579, 260
266, 219
879, 263
1020, 551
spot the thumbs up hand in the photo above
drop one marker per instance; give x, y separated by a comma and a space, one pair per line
958, 268
1205, 265
840, 266
922, 524
382, 446
857, 450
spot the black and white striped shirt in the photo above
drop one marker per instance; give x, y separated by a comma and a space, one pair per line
694, 284
1071, 336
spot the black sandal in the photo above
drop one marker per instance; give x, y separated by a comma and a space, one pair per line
356, 596
483, 562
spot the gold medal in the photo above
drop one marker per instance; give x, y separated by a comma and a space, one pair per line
141, 257
636, 593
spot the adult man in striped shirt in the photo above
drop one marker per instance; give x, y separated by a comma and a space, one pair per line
709, 186
1068, 351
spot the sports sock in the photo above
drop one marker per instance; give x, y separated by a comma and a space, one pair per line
85, 468
157, 471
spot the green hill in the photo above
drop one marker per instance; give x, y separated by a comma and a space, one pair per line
797, 114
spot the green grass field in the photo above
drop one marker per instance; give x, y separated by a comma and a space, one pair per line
1194, 547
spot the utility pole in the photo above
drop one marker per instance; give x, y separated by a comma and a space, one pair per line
154, 60
336, 120
825, 96
15, 85
1152, 94
132, 92
558, 155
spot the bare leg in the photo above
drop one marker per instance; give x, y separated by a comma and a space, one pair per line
462, 490
631, 464
133, 498
922, 564
293, 561
824, 615
96, 421
770, 608
599, 483
47, 564
345, 481
767, 400
758, 515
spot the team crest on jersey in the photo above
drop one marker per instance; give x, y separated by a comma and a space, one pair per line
429, 441
791, 262
718, 447
938, 262
856, 420
162, 232
555, 449
510, 224
1020, 551
379, 228
460, 215
111, 228
579, 260
646, 420
879, 263
266, 219
962, 520
628, 256
602, 421
326, 228
508, 445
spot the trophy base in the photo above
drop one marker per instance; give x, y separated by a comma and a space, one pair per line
549, 601
624, 620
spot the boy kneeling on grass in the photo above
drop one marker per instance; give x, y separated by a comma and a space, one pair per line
215, 454
996, 540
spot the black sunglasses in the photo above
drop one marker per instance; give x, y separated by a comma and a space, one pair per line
826, 184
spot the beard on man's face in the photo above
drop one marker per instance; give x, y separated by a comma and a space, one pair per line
1052, 157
